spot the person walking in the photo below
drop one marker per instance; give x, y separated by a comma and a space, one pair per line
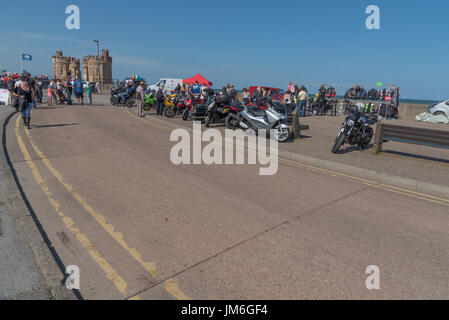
97, 85
301, 102
89, 93
160, 99
26, 95
140, 99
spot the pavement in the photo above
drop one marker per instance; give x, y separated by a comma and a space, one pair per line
27, 269
138, 227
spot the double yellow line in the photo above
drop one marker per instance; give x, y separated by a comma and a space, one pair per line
118, 281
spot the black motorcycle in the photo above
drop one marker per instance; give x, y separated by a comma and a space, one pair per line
355, 130
121, 96
220, 107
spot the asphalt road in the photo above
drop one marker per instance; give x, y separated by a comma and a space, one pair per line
139, 227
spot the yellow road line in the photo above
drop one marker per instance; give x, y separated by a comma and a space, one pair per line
402, 191
101, 219
111, 274
172, 287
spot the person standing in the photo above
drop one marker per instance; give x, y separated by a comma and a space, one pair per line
27, 99
40, 86
140, 99
50, 95
245, 94
10, 84
69, 90
97, 85
301, 102
89, 93
232, 93
160, 99
79, 91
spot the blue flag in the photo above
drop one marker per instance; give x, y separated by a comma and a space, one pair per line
27, 57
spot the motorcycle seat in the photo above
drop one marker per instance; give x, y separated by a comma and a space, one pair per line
256, 112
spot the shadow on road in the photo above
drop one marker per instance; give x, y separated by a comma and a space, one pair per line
56, 125
415, 156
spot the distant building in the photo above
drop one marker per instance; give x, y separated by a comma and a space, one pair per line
91, 64
63, 67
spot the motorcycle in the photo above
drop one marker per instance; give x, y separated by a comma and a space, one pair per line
221, 107
274, 117
150, 100
196, 111
170, 103
119, 97
355, 130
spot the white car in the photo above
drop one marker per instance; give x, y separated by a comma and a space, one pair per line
439, 108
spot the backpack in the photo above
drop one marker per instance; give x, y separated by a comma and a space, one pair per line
160, 95
10, 85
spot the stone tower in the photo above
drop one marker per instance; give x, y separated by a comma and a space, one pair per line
63, 67
91, 63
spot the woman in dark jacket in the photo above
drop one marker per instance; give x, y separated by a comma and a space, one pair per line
26, 96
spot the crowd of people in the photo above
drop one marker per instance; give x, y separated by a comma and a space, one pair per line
26, 92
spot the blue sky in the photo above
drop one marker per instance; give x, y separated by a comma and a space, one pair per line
245, 42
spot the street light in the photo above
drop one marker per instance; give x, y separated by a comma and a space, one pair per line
98, 61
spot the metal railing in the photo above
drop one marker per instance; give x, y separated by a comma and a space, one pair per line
414, 135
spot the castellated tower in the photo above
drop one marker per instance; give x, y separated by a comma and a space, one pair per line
104, 62
63, 67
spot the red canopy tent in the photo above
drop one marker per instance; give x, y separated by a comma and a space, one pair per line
198, 78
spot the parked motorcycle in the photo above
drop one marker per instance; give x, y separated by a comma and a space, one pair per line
119, 97
170, 103
180, 105
272, 118
196, 111
220, 107
150, 100
355, 130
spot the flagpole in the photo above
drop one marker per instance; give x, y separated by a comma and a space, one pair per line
21, 62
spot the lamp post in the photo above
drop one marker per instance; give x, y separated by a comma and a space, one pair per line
98, 61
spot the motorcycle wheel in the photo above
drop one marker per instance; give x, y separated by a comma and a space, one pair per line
339, 142
232, 123
130, 103
208, 120
282, 134
169, 112
148, 107
185, 114
113, 101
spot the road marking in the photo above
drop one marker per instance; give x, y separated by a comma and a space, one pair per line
111, 274
101, 219
172, 287
406, 192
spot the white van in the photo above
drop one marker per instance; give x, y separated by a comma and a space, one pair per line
169, 84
